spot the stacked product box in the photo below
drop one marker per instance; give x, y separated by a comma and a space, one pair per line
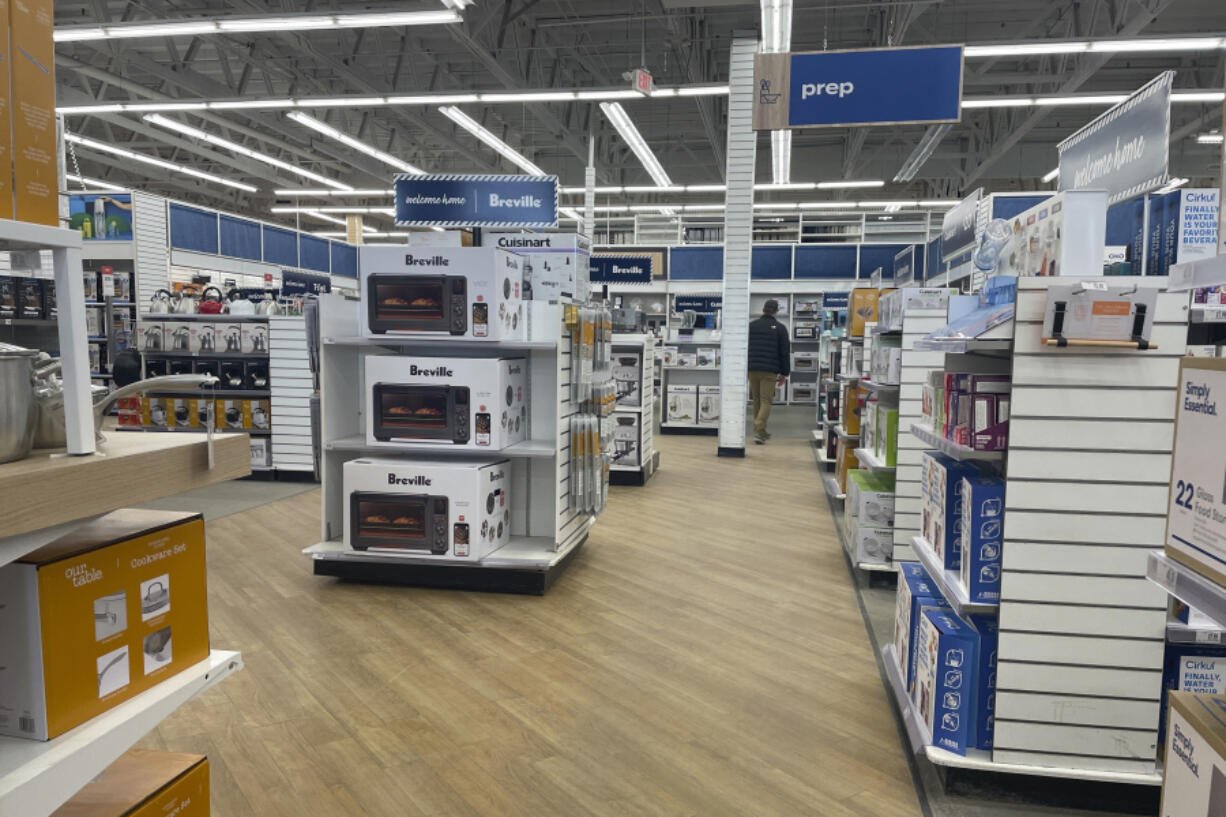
941, 510
869, 516
916, 591
885, 440
868, 422
862, 310
970, 409
681, 407
852, 406
885, 364
955, 678
845, 462
893, 304
1194, 779
982, 536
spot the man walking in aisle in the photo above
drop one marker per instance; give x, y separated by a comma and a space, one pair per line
770, 362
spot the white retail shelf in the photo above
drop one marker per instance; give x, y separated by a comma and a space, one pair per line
1204, 313
979, 760
947, 580
357, 443
1199, 592
692, 368
429, 342
842, 433
848, 378
876, 567
522, 552
630, 409
964, 346
832, 489
1205, 272
37, 777
689, 425
868, 460
958, 452
1179, 633
22, 235
817, 436
874, 386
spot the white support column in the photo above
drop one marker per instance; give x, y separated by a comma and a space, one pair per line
738, 238
74, 352
353, 229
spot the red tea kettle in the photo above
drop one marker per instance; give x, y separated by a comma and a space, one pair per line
211, 301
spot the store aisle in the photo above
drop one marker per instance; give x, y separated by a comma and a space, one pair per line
703, 655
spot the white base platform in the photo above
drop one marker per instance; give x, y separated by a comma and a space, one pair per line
522, 552
37, 777
832, 489
357, 443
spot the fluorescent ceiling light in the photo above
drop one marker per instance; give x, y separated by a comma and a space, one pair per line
607, 95
530, 96
156, 162
324, 217
939, 203
234, 147
1157, 44
433, 99
1120, 46
1023, 49
786, 186
634, 140
348, 141
298, 22
890, 206
705, 188
502, 148
645, 188
92, 184
367, 211
781, 156
304, 191
570, 212
1174, 184
848, 184
1099, 99
1198, 96
1002, 102
1209, 139
341, 102
240, 104
1050, 176
702, 90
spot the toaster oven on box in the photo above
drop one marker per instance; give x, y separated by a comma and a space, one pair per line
470, 402
472, 292
442, 510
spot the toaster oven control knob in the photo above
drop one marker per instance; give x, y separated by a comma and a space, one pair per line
461, 425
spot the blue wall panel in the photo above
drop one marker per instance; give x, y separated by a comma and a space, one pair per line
826, 261
192, 229
313, 253
696, 264
344, 259
771, 263
932, 260
1010, 206
239, 238
879, 255
280, 246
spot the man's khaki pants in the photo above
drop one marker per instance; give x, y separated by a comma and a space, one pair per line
762, 390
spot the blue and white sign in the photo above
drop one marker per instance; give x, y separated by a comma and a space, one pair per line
904, 267
476, 201
301, 283
958, 227
620, 269
698, 304
882, 86
1198, 221
835, 300
1126, 150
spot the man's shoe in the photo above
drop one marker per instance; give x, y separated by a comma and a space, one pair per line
766, 435
760, 439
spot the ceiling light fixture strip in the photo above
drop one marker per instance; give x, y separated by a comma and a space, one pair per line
358, 145
502, 148
103, 147
242, 25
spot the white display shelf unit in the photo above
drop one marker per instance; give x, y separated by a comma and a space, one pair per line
948, 582
883, 387
842, 432
545, 528
1080, 656
37, 777
1197, 591
1178, 632
291, 385
869, 462
637, 473
978, 760
932, 440
832, 489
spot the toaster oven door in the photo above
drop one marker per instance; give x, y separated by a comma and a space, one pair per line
421, 412
417, 303
415, 522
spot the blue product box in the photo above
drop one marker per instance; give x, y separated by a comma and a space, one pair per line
982, 536
985, 686
944, 531
1191, 668
946, 686
915, 592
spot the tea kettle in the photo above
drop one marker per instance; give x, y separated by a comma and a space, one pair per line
239, 305
268, 306
182, 303
211, 304
159, 304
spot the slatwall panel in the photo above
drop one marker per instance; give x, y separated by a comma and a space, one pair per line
1081, 644
916, 323
289, 376
569, 522
151, 243
738, 241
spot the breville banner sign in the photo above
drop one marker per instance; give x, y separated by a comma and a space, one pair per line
1125, 151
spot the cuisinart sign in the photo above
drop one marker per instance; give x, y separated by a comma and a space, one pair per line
1124, 151
476, 201
875, 87
620, 269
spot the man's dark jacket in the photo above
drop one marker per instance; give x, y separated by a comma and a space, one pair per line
769, 349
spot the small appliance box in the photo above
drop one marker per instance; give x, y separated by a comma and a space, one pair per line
177, 335
149, 336
943, 506
254, 338
628, 377
708, 405
946, 669
985, 680
145, 783
203, 338
465, 402
101, 614
863, 310
805, 361
462, 292
803, 392
983, 507
1194, 784
682, 405
261, 452
916, 590
552, 262
450, 511
871, 501
872, 545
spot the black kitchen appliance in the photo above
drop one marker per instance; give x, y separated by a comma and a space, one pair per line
209, 366
400, 521
421, 412
232, 374
180, 366
257, 376
156, 367
418, 303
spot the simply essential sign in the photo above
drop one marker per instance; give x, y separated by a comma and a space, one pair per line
476, 201
1125, 151
620, 269
1196, 513
881, 86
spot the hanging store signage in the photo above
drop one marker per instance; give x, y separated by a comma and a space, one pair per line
958, 227
904, 267
620, 269
698, 304
301, 283
1125, 151
881, 86
835, 300
476, 201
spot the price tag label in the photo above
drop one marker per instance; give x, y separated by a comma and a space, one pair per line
108, 282
1209, 637
1169, 577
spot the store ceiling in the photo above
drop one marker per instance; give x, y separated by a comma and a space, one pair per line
543, 44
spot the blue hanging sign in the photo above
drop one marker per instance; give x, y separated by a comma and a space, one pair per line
835, 300
301, 283
476, 201
620, 269
958, 227
699, 304
880, 86
904, 267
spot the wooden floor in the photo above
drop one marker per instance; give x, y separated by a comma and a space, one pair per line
703, 655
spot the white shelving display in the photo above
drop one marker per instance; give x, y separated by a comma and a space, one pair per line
290, 387
634, 454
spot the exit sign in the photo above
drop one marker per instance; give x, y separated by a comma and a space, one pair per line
642, 81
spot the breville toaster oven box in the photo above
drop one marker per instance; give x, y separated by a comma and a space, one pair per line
462, 292
478, 403
457, 510
103, 613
